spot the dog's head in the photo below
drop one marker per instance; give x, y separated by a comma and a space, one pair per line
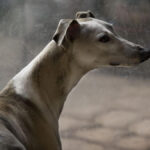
94, 43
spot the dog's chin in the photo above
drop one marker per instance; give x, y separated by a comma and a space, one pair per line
114, 64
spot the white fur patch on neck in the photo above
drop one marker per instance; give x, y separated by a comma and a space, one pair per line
23, 83
23, 80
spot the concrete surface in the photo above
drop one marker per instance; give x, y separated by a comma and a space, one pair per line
107, 113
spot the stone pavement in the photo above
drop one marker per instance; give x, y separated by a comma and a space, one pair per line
107, 113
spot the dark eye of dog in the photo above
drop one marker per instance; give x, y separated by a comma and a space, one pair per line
104, 38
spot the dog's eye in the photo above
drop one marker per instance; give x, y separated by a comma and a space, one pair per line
104, 38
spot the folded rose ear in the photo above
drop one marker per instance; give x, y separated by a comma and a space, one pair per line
67, 29
84, 14
73, 30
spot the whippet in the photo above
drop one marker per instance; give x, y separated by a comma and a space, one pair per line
31, 103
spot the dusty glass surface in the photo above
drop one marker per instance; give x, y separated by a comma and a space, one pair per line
110, 107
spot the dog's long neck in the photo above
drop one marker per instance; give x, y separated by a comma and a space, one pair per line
49, 78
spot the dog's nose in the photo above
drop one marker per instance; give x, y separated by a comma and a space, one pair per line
144, 55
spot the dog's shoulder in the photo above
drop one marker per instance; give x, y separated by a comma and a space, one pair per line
9, 99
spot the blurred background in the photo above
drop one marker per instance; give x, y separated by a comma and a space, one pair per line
110, 107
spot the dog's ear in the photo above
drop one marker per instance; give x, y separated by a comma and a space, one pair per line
67, 30
58, 36
84, 14
73, 30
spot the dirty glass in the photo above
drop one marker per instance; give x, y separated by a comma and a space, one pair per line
110, 107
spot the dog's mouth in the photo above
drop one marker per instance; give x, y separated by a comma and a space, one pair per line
114, 64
